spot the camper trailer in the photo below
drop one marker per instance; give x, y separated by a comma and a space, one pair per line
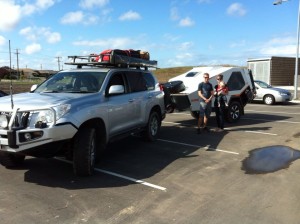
239, 81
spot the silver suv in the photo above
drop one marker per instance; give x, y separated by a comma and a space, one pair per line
77, 112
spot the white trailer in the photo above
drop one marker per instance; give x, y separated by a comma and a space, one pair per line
239, 81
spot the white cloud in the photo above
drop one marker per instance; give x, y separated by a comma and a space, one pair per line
279, 46
186, 22
33, 48
170, 37
90, 4
236, 9
279, 50
107, 43
17, 11
281, 40
37, 7
28, 33
72, 17
185, 46
53, 38
38, 33
130, 15
8, 23
2, 41
174, 15
44, 4
79, 17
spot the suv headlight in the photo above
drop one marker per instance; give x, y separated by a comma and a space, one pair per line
3, 121
47, 117
61, 110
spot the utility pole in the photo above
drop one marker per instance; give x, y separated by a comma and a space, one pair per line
17, 53
58, 62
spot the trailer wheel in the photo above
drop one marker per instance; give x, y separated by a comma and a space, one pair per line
234, 112
10, 160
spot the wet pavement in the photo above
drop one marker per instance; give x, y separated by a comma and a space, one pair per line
269, 159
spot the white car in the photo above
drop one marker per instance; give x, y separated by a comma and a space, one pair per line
269, 94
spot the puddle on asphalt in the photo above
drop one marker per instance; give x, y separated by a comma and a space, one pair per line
269, 159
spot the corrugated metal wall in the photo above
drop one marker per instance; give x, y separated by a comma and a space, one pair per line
260, 70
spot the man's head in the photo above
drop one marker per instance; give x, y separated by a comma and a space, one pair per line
206, 77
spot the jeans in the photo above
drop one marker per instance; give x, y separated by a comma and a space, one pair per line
220, 114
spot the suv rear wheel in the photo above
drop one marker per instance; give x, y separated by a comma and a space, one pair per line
153, 126
84, 155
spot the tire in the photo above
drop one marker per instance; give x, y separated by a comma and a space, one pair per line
269, 99
84, 155
10, 160
234, 112
170, 108
152, 129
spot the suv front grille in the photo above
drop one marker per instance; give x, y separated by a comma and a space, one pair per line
20, 120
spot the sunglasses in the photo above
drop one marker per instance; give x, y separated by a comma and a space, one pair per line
206, 77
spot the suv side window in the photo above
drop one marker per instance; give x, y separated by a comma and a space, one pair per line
150, 82
236, 81
136, 81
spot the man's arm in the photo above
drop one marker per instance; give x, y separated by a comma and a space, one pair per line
200, 95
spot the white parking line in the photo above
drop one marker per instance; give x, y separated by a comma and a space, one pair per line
289, 122
271, 112
175, 123
132, 179
198, 146
260, 132
121, 176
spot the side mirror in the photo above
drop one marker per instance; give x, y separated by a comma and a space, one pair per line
33, 87
116, 89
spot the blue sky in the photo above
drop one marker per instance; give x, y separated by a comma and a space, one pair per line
175, 32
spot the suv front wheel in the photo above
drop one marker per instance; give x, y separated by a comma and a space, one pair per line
10, 160
153, 126
84, 155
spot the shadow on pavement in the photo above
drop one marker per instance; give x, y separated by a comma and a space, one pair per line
136, 158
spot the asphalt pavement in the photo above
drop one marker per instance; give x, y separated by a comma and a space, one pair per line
247, 174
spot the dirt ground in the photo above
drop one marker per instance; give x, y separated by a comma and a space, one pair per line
16, 88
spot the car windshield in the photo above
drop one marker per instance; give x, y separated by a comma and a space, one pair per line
263, 84
73, 82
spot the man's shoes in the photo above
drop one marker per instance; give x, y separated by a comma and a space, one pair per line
206, 129
198, 131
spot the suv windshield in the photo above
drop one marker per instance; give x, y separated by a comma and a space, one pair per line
73, 82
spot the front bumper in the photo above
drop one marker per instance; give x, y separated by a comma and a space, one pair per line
12, 140
283, 98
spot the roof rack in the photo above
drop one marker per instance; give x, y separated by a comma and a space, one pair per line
113, 60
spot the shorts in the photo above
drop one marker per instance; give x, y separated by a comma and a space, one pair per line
205, 109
